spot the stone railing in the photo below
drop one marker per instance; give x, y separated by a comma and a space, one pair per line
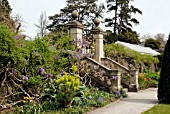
129, 78
100, 75
114, 65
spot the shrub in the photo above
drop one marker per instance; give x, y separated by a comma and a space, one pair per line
35, 84
164, 81
30, 108
115, 50
63, 89
148, 79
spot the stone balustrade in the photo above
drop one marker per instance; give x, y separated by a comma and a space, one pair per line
101, 76
103, 72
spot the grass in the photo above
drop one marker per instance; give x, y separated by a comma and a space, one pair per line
159, 109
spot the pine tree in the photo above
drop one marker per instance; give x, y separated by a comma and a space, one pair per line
164, 81
122, 20
88, 10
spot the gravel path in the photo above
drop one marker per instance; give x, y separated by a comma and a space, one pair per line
135, 103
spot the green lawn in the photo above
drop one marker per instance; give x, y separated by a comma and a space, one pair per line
159, 109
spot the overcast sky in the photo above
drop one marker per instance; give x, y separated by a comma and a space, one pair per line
155, 18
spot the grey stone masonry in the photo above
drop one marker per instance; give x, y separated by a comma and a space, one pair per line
97, 33
133, 86
115, 81
76, 29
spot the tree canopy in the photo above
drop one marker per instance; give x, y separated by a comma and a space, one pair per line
122, 20
152, 43
88, 10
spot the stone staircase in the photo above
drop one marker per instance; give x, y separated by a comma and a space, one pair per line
108, 78
101, 71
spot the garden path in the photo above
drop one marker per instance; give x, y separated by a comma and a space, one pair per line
135, 103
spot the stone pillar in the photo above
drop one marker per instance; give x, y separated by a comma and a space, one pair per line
76, 29
97, 33
115, 80
133, 86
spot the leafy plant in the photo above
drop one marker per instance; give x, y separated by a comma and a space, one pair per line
31, 108
35, 84
148, 79
64, 88
118, 52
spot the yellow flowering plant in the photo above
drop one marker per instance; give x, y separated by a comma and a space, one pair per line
67, 87
64, 88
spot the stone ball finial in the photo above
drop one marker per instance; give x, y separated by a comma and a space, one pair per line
97, 22
75, 14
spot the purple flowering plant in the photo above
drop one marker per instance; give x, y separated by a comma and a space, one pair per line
114, 77
117, 93
24, 78
100, 99
40, 71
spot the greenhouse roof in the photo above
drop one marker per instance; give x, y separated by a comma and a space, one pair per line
139, 48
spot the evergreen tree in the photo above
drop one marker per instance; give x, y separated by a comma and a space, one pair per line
88, 10
152, 43
164, 81
129, 37
122, 20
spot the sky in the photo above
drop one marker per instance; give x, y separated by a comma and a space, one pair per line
155, 18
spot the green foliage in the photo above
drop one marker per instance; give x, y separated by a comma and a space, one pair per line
122, 20
129, 37
30, 108
7, 45
114, 50
148, 79
85, 100
94, 98
152, 43
110, 37
35, 84
64, 89
159, 109
163, 87
21, 61
88, 10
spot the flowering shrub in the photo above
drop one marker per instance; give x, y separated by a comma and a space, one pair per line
67, 87
148, 79
64, 88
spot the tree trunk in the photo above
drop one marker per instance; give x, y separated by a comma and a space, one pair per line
115, 23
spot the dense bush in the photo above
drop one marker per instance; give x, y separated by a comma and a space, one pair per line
115, 51
152, 43
148, 79
26, 66
120, 51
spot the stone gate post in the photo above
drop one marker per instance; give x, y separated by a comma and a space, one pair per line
76, 29
133, 86
97, 33
115, 80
